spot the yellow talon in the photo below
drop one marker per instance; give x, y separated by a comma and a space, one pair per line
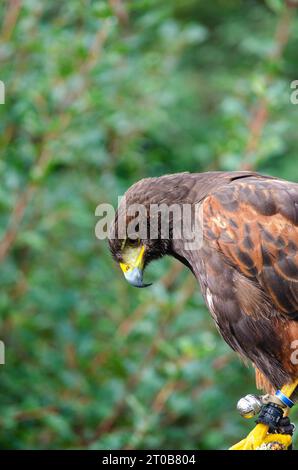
276, 442
260, 439
255, 438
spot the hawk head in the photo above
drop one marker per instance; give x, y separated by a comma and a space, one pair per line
144, 228
136, 237
134, 251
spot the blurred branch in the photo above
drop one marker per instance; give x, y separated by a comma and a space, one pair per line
93, 58
260, 113
10, 19
120, 11
15, 220
167, 281
158, 403
292, 3
171, 416
96, 48
107, 424
258, 120
64, 119
25, 197
36, 413
129, 323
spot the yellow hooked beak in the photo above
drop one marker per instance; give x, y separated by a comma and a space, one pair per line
133, 266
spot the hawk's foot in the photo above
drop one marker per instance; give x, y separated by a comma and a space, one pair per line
260, 439
274, 430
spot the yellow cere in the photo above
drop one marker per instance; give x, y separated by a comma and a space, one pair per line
133, 257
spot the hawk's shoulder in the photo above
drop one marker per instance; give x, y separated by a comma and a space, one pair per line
253, 222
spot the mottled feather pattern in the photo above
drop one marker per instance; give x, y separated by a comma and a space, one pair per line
254, 224
247, 266
251, 226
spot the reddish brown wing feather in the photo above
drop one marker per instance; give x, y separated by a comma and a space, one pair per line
254, 224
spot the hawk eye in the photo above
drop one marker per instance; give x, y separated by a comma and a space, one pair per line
133, 243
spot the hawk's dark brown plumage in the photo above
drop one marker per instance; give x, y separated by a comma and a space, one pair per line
247, 266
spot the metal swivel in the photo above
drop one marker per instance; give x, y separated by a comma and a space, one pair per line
249, 406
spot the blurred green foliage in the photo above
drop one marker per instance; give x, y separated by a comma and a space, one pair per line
98, 95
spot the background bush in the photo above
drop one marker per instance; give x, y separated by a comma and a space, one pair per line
98, 95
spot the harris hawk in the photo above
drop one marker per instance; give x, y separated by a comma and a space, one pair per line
246, 265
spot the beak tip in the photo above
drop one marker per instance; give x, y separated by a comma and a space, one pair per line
135, 278
144, 285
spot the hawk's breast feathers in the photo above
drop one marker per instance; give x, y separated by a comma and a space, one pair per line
247, 261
